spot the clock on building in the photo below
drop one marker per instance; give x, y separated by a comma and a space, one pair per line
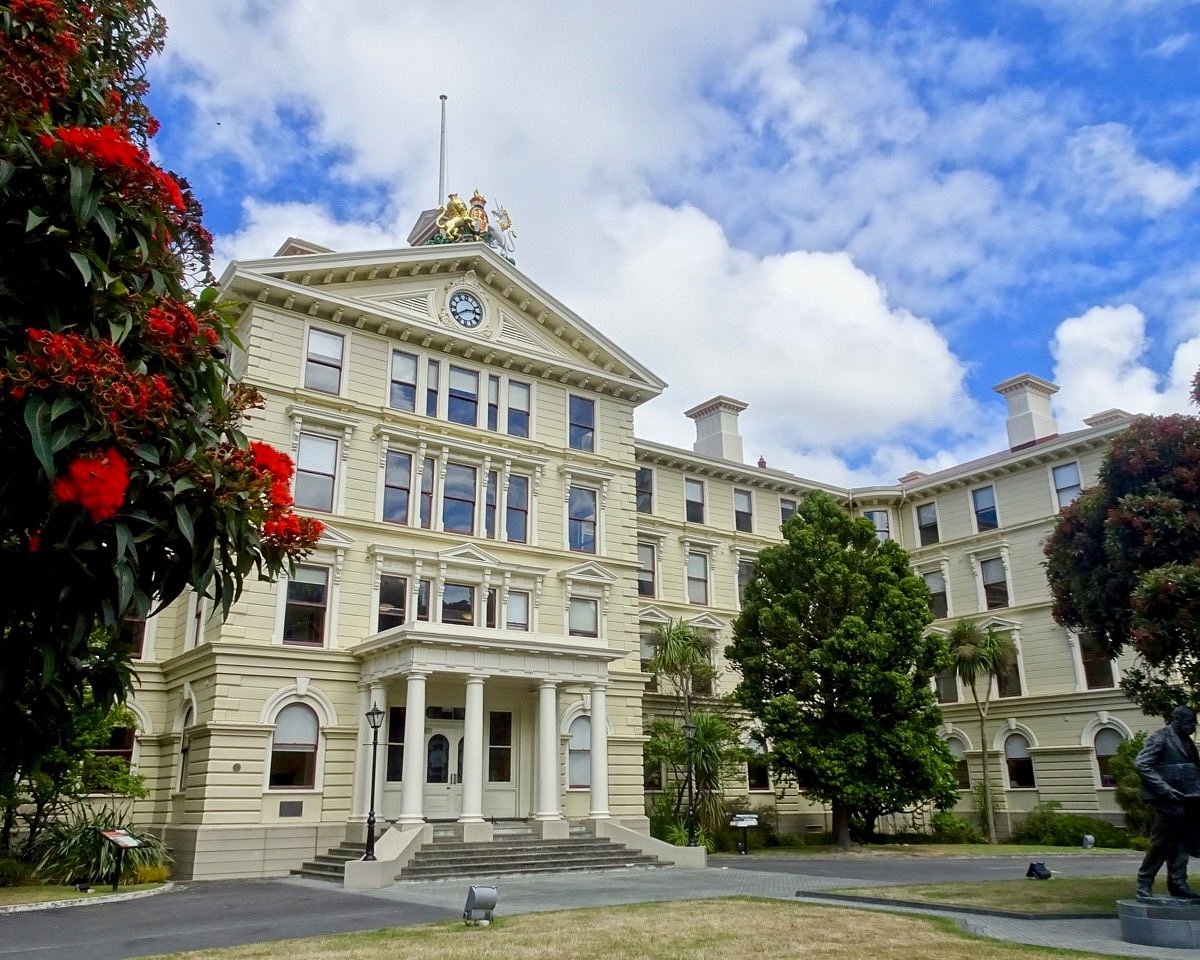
466, 308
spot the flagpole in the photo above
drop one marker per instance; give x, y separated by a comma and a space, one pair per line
441, 197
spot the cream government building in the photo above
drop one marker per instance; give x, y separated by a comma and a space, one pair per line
498, 547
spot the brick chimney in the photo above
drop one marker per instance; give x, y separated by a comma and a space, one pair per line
1029, 416
717, 428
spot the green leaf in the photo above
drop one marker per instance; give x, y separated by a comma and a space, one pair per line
124, 539
37, 420
107, 223
185, 523
147, 452
65, 437
82, 265
7, 169
124, 586
33, 219
184, 483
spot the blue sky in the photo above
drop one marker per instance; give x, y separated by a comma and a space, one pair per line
856, 217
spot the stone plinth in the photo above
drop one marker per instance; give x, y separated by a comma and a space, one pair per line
1160, 922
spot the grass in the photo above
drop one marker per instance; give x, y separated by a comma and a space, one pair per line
1095, 895
935, 850
43, 893
696, 930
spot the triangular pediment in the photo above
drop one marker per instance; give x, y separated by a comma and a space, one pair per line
333, 537
467, 553
652, 614
591, 572
1000, 624
706, 621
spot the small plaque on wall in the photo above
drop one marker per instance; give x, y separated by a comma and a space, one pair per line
291, 808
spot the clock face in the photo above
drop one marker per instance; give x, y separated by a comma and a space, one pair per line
466, 309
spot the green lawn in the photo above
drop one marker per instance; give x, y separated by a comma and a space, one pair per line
932, 850
1095, 895
43, 893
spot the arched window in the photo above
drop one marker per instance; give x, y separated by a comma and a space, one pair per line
1020, 763
294, 748
579, 753
184, 746
1106, 743
437, 759
962, 772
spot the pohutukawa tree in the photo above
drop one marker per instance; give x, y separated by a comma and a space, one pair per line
1124, 560
126, 476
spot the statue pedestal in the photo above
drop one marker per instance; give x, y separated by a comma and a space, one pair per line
1160, 922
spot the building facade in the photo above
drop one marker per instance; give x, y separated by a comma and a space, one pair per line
498, 548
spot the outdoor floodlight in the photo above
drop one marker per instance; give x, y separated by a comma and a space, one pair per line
481, 901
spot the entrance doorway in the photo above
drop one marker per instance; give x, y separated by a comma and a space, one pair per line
443, 769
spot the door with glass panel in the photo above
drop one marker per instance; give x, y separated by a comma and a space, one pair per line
443, 769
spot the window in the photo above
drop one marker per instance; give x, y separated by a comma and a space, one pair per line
394, 764
116, 756
423, 589
581, 426
316, 467
745, 573
131, 636
927, 523
743, 511
1066, 483
489, 503
490, 605
518, 409
758, 770
433, 371
294, 749
983, 503
1098, 671
644, 484
946, 682
516, 616
962, 771
393, 602
581, 519
693, 497
787, 509
647, 656
1019, 762
645, 572
500, 743
1008, 683
458, 500
652, 775
397, 483
1106, 744
304, 611
185, 747
995, 584
583, 618
463, 404
323, 366
493, 404
403, 393
579, 754
882, 523
935, 582
428, 481
458, 604
697, 578
516, 511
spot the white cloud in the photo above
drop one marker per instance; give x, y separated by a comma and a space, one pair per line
1108, 169
1172, 45
266, 225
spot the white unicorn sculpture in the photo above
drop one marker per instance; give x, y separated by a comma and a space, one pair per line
500, 231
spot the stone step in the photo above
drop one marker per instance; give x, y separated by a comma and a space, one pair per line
484, 859
494, 870
505, 846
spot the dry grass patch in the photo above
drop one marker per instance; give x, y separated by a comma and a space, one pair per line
694, 930
45, 893
1096, 895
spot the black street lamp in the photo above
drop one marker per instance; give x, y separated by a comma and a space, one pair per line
689, 732
375, 719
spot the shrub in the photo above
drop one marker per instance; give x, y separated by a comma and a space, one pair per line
12, 872
1139, 815
152, 874
949, 828
73, 849
1046, 825
677, 835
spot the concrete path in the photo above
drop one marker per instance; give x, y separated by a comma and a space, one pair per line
228, 913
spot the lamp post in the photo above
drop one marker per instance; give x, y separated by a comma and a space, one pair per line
375, 719
689, 733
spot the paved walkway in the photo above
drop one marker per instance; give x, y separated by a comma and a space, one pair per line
228, 913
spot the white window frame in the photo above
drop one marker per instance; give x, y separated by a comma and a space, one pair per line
795, 505
1020, 730
749, 492
330, 426
703, 500
977, 560
343, 369
741, 556
595, 445
272, 719
939, 564
937, 525
417, 393
1054, 489
653, 489
887, 517
975, 513
1075, 642
600, 481
327, 626
654, 567
199, 613
706, 555
958, 688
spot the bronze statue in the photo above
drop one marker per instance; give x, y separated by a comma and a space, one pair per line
1169, 766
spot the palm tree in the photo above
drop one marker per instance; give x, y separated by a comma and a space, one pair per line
981, 656
683, 657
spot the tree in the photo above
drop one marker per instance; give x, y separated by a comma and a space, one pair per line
127, 478
837, 669
982, 656
1123, 561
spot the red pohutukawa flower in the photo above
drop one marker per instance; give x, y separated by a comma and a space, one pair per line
97, 482
109, 148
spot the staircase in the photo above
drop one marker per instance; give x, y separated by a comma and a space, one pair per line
514, 850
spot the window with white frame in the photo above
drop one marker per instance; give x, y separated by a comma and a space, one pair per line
927, 523
458, 604
646, 573
745, 573
458, 499
306, 607
393, 602
185, 747
743, 510
115, 757
579, 754
316, 472
428, 484
397, 485
500, 746
462, 405
995, 582
1098, 666
787, 509
697, 577
946, 682
516, 510
424, 590
394, 764
581, 423
583, 617
294, 749
491, 608
983, 506
1106, 743
131, 636
939, 603
693, 499
323, 363
518, 409
491, 492
644, 486
1008, 681
517, 612
1019, 762
962, 770
433, 370
758, 769
1067, 484
493, 403
647, 649
402, 392
882, 523
581, 519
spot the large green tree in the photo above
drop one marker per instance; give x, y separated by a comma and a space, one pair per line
837, 668
126, 476
1124, 559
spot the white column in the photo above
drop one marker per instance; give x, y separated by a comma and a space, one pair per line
379, 699
472, 785
548, 792
362, 757
599, 722
412, 788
